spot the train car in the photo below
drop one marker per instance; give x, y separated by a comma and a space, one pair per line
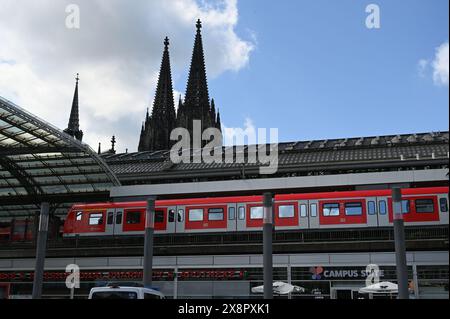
351, 209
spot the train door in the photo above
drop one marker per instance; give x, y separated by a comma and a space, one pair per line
303, 214
118, 222
180, 219
109, 227
371, 211
314, 214
443, 208
382, 210
171, 224
241, 216
232, 217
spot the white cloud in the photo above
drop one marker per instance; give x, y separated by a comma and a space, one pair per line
117, 52
440, 65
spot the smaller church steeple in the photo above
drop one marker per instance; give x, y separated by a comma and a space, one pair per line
73, 128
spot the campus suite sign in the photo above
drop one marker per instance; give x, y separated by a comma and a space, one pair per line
320, 272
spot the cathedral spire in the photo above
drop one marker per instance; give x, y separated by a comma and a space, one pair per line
73, 127
197, 97
162, 119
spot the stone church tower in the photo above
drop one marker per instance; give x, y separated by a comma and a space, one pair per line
155, 133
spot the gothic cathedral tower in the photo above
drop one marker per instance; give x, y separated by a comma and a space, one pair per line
155, 133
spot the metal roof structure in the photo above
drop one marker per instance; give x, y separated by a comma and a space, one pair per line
302, 158
39, 162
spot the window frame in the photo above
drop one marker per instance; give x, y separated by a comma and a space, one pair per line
382, 207
259, 208
424, 199
119, 218
196, 210
231, 213
159, 213
371, 207
241, 213
360, 205
305, 207
443, 201
78, 216
217, 208
407, 204
285, 205
328, 214
132, 213
313, 212
99, 219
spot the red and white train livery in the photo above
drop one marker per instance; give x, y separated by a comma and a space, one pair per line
350, 209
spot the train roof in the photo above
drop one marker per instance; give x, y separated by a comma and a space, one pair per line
280, 197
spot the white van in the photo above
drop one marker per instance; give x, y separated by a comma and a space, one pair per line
118, 292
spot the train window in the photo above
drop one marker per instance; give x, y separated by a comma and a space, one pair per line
195, 215
371, 208
159, 216
171, 216
330, 209
405, 206
256, 212
119, 218
382, 207
133, 218
96, 219
241, 214
313, 210
231, 213
353, 209
79, 216
215, 214
110, 219
424, 206
180, 216
303, 210
444, 205
286, 211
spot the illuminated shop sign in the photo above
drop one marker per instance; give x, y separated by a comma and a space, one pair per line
320, 272
197, 274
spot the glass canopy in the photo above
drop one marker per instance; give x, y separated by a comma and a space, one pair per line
39, 162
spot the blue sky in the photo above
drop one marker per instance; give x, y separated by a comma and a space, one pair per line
318, 72
310, 68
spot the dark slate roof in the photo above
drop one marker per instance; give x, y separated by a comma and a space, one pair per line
353, 153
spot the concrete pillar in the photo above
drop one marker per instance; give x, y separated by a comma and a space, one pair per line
400, 249
148, 242
175, 283
41, 247
267, 246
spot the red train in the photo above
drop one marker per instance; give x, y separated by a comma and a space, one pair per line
372, 208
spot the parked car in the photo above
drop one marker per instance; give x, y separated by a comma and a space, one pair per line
121, 292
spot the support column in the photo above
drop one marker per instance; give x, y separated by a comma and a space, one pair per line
415, 281
400, 249
267, 246
41, 246
175, 283
148, 242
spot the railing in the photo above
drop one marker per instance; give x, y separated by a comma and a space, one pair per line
297, 236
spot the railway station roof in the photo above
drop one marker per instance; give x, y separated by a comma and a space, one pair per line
39, 162
300, 158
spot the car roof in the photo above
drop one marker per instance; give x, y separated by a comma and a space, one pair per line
126, 288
